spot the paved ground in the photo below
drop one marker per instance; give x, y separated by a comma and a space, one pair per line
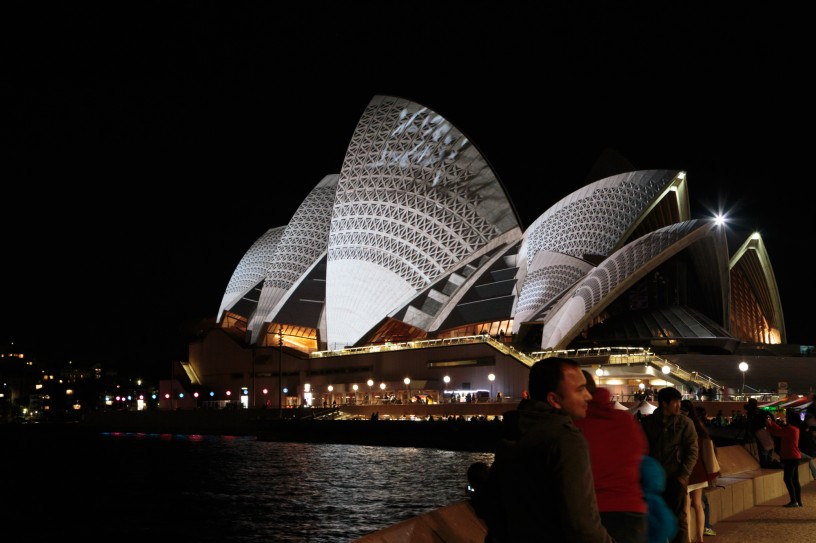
771, 523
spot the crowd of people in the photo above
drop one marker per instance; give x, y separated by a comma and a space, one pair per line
572, 468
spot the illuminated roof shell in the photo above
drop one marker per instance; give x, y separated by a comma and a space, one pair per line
626, 266
251, 270
415, 198
301, 246
752, 262
589, 223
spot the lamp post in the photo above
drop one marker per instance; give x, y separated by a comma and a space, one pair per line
280, 372
407, 382
370, 382
599, 374
331, 395
743, 367
382, 389
355, 387
491, 378
446, 379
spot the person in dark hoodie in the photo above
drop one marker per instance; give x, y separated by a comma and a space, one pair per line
673, 442
540, 485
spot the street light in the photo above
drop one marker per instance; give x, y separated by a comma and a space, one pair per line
447, 382
599, 373
382, 388
280, 371
491, 378
407, 382
355, 387
743, 367
331, 396
370, 382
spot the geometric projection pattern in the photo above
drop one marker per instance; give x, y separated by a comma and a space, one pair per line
415, 199
303, 243
305, 237
629, 259
592, 220
415, 196
251, 270
544, 284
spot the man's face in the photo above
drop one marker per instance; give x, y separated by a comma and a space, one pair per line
572, 396
672, 408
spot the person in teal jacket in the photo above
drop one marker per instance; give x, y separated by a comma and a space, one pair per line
662, 523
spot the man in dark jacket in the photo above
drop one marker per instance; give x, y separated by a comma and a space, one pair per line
673, 442
540, 486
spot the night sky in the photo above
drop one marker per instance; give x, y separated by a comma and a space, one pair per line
150, 146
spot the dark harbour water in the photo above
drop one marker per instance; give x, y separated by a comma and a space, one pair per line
215, 488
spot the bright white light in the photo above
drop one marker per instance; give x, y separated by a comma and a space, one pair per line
491, 377
370, 382
666, 370
355, 387
743, 366
382, 386
719, 220
331, 388
599, 372
446, 379
407, 381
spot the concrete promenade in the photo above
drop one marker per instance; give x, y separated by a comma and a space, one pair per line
769, 522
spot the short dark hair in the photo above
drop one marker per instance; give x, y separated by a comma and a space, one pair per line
547, 374
668, 394
591, 385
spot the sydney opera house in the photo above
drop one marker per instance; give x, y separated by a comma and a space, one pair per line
408, 276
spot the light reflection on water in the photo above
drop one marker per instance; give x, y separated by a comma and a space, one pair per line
211, 488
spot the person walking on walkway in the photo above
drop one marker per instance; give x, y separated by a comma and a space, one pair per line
540, 486
790, 455
673, 442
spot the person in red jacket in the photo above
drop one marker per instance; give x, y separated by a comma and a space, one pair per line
790, 455
617, 445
